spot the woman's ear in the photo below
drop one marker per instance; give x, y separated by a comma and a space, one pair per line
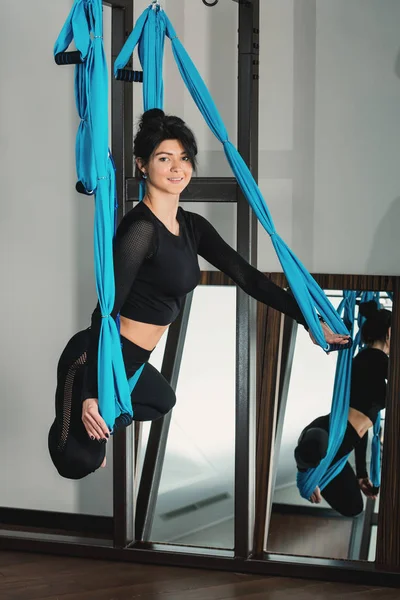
140, 164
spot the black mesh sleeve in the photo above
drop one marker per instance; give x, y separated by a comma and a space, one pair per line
360, 452
134, 242
217, 252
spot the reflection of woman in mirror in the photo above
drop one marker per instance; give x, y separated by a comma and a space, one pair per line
367, 398
156, 264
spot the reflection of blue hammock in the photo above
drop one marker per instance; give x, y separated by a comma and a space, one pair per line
320, 476
94, 165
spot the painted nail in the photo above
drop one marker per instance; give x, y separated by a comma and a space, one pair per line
92, 437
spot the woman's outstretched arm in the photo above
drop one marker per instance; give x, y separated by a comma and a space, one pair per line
216, 251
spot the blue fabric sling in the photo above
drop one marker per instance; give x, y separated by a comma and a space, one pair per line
148, 33
320, 476
95, 168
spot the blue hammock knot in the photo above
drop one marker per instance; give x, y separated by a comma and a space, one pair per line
97, 37
105, 316
99, 178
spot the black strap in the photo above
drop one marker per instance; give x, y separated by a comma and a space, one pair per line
82, 190
68, 58
129, 76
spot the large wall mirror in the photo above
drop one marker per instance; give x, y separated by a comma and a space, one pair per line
343, 524
298, 526
195, 500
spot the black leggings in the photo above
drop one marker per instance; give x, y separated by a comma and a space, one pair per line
73, 453
343, 493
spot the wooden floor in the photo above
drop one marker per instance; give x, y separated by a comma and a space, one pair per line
35, 577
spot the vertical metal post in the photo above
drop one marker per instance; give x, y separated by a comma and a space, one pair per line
247, 247
121, 147
121, 107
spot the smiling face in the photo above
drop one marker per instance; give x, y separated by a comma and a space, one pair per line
169, 168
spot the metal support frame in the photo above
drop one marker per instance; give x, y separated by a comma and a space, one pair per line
122, 142
225, 190
246, 306
200, 189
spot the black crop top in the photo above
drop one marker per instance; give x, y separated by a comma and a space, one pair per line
155, 269
368, 382
368, 395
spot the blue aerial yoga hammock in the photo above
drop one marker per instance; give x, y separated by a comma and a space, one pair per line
320, 476
95, 170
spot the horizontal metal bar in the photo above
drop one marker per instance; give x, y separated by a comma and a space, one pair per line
345, 571
192, 550
118, 3
200, 189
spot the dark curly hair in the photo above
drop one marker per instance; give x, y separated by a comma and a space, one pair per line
155, 127
377, 324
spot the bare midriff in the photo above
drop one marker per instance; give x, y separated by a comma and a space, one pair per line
144, 335
359, 421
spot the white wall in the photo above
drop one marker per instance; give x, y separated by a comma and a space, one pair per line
46, 253
330, 130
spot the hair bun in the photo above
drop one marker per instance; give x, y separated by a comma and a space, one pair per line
369, 309
154, 115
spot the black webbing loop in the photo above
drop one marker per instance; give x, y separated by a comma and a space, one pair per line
82, 190
68, 58
129, 76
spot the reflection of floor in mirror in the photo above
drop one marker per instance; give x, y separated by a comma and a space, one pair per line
309, 535
220, 535
28, 576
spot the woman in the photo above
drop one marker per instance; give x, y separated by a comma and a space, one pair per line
156, 252
367, 398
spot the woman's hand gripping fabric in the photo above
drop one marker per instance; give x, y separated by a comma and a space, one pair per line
330, 337
94, 424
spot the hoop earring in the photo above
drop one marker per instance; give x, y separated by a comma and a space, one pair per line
144, 175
